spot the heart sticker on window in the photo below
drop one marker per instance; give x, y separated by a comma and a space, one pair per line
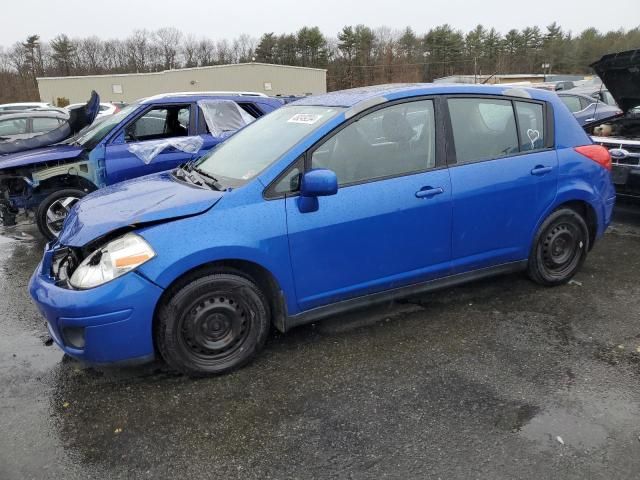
534, 135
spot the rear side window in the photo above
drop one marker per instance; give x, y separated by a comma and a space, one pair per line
572, 102
483, 128
531, 125
44, 124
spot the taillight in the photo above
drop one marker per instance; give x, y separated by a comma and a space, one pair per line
597, 153
116, 110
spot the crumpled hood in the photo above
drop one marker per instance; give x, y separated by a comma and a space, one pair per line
620, 73
143, 200
40, 155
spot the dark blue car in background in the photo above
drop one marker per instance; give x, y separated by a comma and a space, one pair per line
152, 135
331, 203
586, 108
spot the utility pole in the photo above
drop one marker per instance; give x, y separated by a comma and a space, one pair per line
545, 70
426, 55
475, 69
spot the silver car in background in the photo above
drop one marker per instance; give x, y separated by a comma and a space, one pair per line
27, 124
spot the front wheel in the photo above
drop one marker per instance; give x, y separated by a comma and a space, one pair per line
559, 249
54, 209
212, 325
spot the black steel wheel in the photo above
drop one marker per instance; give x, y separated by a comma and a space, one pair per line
212, 324
560, 248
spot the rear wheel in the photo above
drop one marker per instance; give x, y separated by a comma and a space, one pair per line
54, 209
559, 249
212, 325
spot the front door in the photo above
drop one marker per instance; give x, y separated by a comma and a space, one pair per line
389, 225
135, 152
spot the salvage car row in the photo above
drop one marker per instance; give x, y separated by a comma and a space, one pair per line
327, 204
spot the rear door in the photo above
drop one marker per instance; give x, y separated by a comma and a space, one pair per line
504, 175
156, 123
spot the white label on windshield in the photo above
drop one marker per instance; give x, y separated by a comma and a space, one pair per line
306, 118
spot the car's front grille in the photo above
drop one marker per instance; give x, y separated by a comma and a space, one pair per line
622, 152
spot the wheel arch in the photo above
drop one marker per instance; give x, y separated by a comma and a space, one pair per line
588, 213
582, 201
249, 269
66, 181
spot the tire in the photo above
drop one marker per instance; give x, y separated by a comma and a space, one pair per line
559, 249
213, 324
53, 210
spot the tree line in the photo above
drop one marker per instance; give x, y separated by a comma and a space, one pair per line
358, 55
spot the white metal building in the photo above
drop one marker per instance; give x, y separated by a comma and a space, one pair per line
256, 77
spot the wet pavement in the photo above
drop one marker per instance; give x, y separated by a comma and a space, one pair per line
500, 379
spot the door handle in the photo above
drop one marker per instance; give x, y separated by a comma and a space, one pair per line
540, 170
428, 192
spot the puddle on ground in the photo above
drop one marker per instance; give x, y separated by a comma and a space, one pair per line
587, 427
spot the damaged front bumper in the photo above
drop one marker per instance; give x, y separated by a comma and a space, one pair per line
108, 324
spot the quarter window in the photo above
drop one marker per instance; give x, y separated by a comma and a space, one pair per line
290, 181
483, 128
392, 141
531, 125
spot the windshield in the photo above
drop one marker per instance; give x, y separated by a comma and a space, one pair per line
95, 132
254, 148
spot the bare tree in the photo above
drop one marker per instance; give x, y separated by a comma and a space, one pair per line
224, 54
167, 40
190, 51
91, 54
138, 47
206, 52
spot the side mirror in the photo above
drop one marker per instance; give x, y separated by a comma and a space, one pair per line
319, 183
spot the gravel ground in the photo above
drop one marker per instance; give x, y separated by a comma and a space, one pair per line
500, 379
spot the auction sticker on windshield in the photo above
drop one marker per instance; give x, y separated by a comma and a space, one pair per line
306, 118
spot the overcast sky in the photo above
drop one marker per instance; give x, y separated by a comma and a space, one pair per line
227, 19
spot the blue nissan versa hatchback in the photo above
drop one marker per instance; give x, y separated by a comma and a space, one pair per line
330, 203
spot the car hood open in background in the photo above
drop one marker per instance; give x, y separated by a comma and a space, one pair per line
620, 73
149, 199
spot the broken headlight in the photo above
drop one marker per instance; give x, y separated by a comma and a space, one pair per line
116, 258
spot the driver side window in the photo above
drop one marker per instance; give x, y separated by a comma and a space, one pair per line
392, 141
158, 123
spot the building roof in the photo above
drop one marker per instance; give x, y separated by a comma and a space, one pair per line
164, 72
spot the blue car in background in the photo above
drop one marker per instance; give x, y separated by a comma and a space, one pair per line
586, 108
331, 203
155, 134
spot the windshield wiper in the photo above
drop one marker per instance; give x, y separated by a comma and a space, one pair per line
213, 181
187, 173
